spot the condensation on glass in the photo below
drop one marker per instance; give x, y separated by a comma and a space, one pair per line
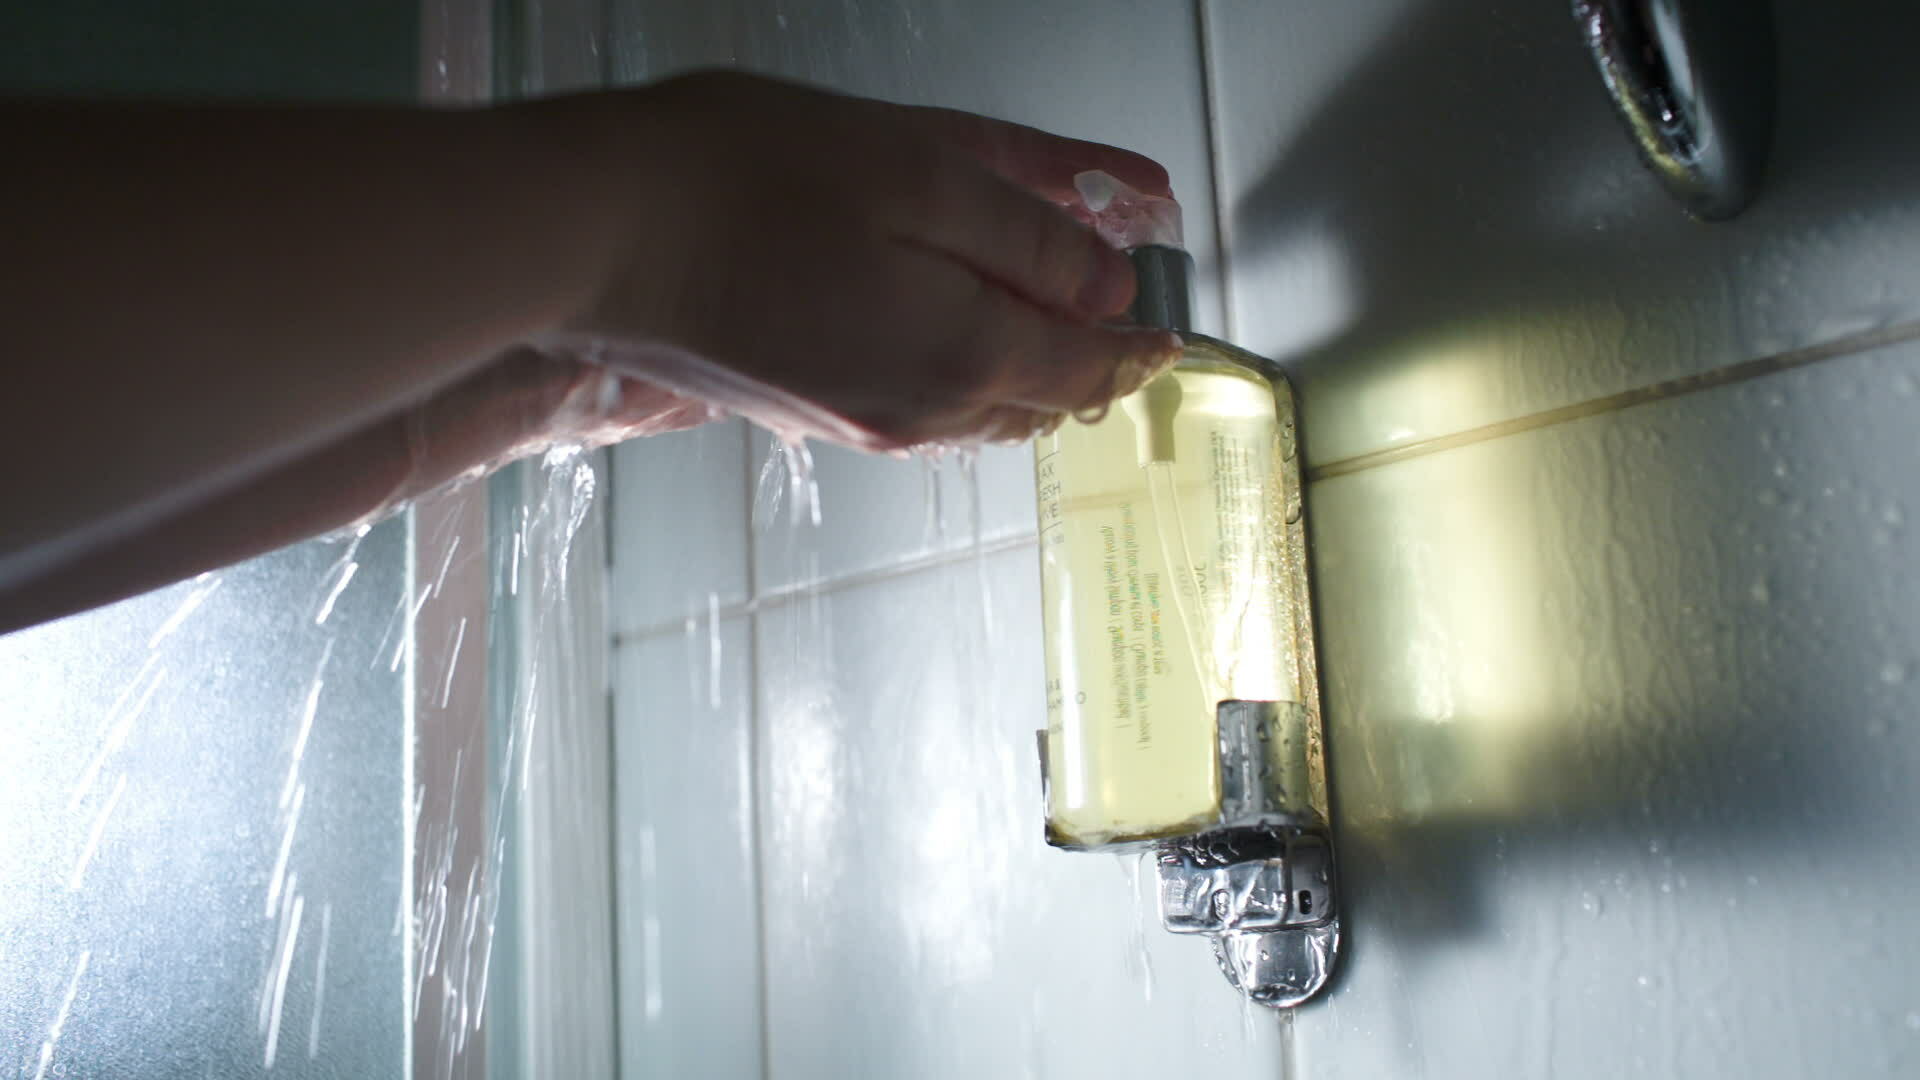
202, 825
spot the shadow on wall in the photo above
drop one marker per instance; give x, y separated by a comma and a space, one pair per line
1662, 643
1633, 639
1481, 190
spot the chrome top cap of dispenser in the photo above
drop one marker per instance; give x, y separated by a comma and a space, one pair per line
1163, 295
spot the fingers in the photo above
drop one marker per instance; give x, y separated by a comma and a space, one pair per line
1036, 160
979, 363
1011, 425
1034, 360
1006, 235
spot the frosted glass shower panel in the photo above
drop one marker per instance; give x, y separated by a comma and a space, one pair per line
201, 842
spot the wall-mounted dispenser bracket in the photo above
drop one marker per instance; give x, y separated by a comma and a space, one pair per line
1262, 885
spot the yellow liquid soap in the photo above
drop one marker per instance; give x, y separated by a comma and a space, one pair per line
1170, 581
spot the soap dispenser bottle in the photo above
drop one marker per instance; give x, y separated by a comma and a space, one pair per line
1183, 710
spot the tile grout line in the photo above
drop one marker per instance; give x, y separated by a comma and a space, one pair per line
604, 456
1665, 390
756, 825
1216, 180
787, 594
755, 715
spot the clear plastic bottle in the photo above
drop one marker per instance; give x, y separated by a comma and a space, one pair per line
1172, 580
1183, 710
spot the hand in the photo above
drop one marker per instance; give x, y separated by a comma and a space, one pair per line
878, 275
524, 402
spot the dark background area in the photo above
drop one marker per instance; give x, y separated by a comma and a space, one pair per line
332, 50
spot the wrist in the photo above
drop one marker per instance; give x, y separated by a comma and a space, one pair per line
581, 160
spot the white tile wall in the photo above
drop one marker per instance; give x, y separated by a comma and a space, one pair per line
1618, 708
877, 511
687, 886
678, 526
917, 924
1624, 737
1435, 217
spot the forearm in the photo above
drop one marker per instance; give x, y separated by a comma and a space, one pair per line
331, 487
512, 406
194, 297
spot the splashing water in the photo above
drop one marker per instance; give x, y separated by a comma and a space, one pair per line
426, 638
1140, 880
713, 650
60, 1018
290, 937
204, 586
320, 981
99, 830
340, 575
456, 916
460, 821
969, 460
789, 466
121, 719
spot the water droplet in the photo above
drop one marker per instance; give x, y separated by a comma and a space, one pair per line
1592, 904
1893, 672
1760, 593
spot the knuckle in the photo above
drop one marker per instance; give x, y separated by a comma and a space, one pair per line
1060, 256
965, 372
992, 351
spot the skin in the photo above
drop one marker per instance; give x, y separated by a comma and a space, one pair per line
233, 328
